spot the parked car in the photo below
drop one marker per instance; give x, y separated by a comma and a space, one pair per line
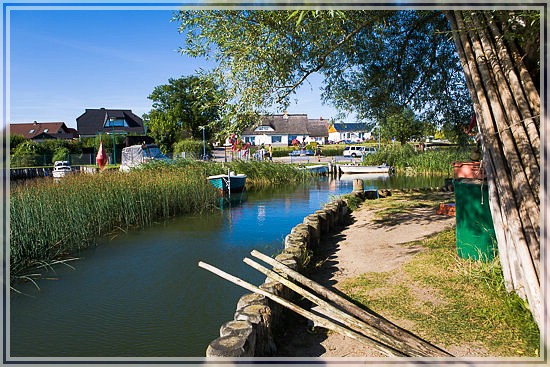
358, 151
296, 153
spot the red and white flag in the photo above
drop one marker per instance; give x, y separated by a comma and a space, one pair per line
101, 157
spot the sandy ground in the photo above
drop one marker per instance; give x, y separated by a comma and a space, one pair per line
363, 246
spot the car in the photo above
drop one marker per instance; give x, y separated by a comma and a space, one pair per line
358, 151
296, 153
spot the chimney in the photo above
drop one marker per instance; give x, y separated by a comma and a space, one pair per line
285, 115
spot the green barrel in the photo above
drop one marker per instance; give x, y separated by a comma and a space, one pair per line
475, 234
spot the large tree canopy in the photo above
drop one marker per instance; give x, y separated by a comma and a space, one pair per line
375, 63
181, 108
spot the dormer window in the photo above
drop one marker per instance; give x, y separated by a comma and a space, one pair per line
115, 122
46, 130
264, 128
31, 131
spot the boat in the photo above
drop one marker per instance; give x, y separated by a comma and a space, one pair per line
318, 169
356, 169
135, 155
61, 169
228, 183
364, 176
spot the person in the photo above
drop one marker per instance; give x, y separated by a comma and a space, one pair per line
270, 152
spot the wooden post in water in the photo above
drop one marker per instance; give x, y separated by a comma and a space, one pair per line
357, 185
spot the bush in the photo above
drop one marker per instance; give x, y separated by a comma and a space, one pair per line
61, 154
191, 147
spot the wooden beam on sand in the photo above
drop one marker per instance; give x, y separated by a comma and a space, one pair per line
328, 324
412, 341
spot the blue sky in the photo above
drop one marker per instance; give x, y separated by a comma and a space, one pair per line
64, 61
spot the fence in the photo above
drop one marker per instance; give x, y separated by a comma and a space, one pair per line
45, 160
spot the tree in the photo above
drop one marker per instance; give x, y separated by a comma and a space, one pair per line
402, 126
181, 108
376, 63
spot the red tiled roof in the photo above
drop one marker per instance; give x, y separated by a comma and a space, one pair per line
29, 130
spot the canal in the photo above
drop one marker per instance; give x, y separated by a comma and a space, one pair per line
141, 293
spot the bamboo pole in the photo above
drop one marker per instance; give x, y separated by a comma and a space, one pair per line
300, 311
369, 318
523, 89
349, 321
522, 198
518, 246
511, 109
525, 197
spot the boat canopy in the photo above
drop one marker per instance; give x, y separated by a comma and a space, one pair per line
135, 155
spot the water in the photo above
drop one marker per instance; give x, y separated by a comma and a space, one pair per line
141, 294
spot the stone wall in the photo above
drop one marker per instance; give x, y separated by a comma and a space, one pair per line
250, 333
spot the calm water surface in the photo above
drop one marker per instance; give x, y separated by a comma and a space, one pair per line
141, 294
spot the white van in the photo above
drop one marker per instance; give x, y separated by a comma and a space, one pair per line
358, 151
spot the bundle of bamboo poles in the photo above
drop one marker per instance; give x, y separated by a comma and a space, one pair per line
335, 312
507, 107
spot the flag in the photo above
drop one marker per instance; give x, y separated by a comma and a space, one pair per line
101, 157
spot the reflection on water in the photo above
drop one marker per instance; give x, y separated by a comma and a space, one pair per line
142, 294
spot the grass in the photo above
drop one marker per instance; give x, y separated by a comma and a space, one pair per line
51, 220
448, 300
406, 160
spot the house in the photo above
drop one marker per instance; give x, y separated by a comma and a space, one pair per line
40, 131
282, 129
95, 121
350, 131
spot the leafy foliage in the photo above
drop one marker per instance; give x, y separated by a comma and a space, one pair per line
376, 63
181, 108
402, 126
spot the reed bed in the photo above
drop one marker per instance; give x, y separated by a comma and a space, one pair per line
49, 220
406, 159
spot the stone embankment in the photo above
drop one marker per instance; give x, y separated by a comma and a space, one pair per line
250, 333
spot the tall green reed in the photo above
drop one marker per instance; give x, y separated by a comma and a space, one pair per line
49, 220
428, 162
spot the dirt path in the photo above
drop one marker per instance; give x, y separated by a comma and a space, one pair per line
366, 245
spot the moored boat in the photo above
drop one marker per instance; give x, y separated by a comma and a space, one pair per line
318, 169
61, 169
357, 169
230, 182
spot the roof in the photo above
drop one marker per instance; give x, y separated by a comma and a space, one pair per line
32, 130
350, 126
317, 128
290, 124
92, 121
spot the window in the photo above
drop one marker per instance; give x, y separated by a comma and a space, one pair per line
276, 138
114, 122
264, 128
31, 131
250, 139
46, 130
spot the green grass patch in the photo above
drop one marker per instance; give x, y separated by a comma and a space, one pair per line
451, 301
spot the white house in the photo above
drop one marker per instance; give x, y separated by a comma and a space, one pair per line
282, 129
350, 131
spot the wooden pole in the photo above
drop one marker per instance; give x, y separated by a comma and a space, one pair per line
369, 318
348, 320
300, 311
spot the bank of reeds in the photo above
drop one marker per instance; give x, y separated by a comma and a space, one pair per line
49, 220
406, 159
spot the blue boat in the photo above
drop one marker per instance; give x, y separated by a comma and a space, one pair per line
228, 183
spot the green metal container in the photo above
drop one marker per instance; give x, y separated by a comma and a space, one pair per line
475, 234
